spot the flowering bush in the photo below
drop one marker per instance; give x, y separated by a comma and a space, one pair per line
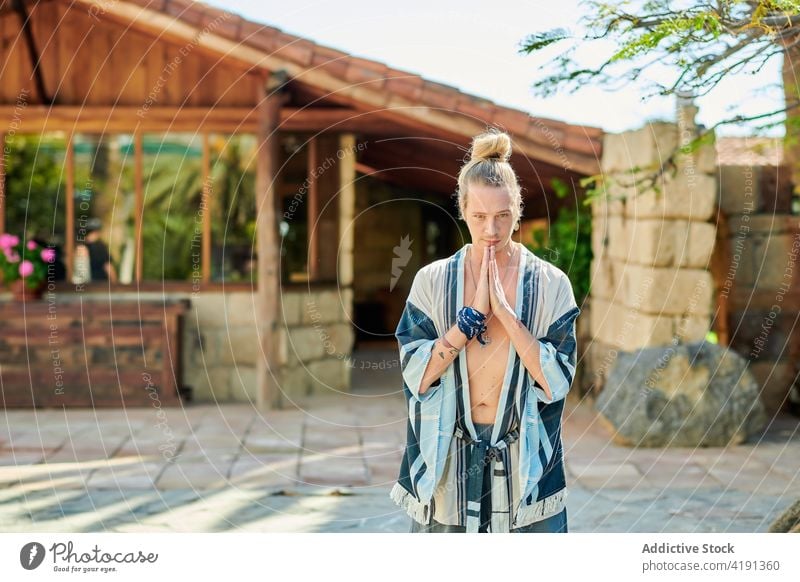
30, 265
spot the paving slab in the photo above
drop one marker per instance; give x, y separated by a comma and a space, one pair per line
328, 464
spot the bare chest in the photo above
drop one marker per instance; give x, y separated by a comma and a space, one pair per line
486, 364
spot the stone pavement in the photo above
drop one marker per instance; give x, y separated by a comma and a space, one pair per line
329, 465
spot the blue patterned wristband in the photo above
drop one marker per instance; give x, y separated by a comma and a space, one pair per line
472, 323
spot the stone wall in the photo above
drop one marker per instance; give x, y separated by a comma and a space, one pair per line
221, 344
651, 284
758, 275
316, 342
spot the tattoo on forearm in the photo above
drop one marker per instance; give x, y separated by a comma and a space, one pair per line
452, 351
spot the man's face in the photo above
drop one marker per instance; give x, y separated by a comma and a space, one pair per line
489, 216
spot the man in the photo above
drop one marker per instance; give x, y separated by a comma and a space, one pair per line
99, 257
487, 361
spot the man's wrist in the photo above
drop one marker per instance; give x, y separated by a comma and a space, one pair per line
481, 311
509, 318
447, 344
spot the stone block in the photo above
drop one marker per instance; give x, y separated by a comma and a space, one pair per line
667, 291
208, 311
605, 278
702, 237
242, 308
643, 147
600, 236
679, 196
323, 306
210, 384
652, 242
691, 328
306, 343
239, 346
738, 189
295, 384
625, 328
291, 306
341, 337
607, 203
243, 384
328, 376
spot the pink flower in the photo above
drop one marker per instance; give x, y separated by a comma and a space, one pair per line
11, 256
32, 245
8, 240
48, 255
25, 268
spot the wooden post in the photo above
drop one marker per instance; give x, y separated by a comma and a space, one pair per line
2, 182
138, 186
206, 204
313, 209
69, 227
347, 208
270, 100
347, 230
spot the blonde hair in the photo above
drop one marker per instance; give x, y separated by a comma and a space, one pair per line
488, 165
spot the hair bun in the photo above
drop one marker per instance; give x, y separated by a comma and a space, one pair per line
492, 145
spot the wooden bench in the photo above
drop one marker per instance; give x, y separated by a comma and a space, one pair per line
91, 352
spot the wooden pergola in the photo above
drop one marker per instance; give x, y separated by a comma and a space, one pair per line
139, 66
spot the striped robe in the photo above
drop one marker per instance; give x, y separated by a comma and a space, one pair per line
528, 482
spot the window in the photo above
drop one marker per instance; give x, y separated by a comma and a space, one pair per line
103, 225
195, 192
233, 199
172, 223
34, 191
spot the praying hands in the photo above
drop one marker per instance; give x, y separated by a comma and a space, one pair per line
497, 295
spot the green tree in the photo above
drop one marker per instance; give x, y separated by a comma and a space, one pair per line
35, 204
568, 242
692, 46
174, 191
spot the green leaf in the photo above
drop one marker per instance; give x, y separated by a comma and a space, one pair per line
539, 40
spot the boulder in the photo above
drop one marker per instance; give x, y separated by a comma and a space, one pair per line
686, 395
789, 522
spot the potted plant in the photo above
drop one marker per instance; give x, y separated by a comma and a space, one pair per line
24, 269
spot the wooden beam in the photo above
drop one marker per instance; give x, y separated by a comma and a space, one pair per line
95, 119
123, 119
268, 300
33, 52
410, 178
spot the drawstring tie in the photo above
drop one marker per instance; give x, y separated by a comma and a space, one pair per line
481, 455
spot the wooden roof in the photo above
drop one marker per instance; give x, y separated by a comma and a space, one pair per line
342, 78
125, 66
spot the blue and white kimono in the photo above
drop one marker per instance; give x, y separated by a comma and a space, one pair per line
528, 482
